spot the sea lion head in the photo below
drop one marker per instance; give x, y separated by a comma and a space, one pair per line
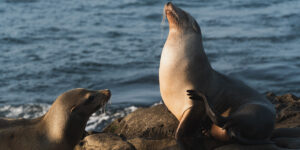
179, 20
82, 101
86, 101
67, 117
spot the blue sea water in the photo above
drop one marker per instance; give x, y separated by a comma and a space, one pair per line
49, 47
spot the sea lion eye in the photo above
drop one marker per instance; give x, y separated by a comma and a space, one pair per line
196, 26
89, 100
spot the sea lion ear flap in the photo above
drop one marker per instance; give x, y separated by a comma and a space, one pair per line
73, 108
196, 26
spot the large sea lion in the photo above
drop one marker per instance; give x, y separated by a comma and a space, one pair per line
61, 128
184, 65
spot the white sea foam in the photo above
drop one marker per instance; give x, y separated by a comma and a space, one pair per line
99, 120
23, 111
158, 103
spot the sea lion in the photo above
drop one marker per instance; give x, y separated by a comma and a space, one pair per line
184, 65
234, 125
61, 127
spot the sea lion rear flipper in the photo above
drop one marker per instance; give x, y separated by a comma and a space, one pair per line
287, 137
236, 135
210, 111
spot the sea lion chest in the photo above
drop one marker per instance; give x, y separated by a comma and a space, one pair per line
176, 75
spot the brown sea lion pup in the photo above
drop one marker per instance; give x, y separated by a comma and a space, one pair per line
184, 65
61, 128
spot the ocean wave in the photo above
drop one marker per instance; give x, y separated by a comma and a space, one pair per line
106, 115
12, 40
24, 111
21, 1
101, 118
135, 3
273, 39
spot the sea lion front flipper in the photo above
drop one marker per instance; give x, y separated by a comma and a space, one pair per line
210, 111
189, 131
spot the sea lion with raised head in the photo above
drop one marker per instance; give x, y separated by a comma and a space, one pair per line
61, 128
184, 65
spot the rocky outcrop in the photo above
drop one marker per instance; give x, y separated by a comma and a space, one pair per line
105, 141
155, 122
288, 110
154, 128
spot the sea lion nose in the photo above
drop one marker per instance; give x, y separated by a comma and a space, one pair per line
169, 3
106, 92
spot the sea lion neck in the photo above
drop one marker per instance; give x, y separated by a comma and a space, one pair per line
180, 46
59, 128
59, 124
55, 122
78, 124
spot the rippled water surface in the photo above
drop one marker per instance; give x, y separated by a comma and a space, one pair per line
48, 47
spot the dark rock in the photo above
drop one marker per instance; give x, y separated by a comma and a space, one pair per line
146, 128
291, 143
288, 110
154, 144
105, 141
155, 122
249, 147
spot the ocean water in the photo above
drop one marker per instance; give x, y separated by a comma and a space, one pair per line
49, 47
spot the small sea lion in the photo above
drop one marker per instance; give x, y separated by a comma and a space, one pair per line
61, 128
184, 65
246, 125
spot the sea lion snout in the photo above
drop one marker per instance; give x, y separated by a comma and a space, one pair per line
103, 96
169, 6
86, 101
170, 11
106, 92
179, 19
169, 3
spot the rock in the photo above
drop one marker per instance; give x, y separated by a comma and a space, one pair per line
146, 128
154, 128
249, 147
155, 122
105, 141
154, 144
291, 143
288, 110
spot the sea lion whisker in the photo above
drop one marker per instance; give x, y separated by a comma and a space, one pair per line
104, 108
163, 21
